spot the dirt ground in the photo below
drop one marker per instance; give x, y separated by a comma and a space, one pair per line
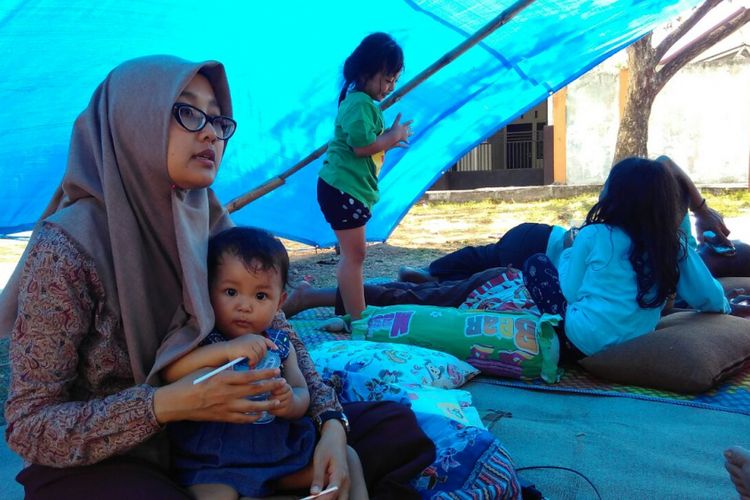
422, 236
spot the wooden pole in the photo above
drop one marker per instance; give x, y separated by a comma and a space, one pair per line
480, 35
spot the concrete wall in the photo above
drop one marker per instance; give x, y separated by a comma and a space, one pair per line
701, 118
592, 119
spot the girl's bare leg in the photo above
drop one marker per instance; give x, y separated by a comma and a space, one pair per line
349, 272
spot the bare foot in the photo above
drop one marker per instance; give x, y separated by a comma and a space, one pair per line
415, 275
296, 300
738, 465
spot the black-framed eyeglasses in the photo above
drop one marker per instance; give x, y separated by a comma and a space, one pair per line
193, 119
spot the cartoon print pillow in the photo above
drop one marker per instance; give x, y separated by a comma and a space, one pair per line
386, 363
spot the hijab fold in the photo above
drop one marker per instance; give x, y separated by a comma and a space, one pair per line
116, 201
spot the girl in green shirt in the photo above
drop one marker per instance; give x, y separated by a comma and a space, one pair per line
348, 180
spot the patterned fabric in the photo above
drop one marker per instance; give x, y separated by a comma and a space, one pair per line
71, 386
322, 396
470, 462
384, 362
543, 283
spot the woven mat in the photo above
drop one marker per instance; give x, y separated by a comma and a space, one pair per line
731, 396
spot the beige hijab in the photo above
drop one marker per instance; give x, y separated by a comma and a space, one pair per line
116, 200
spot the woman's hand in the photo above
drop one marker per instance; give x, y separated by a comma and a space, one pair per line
221, 398
250, 346
330, 466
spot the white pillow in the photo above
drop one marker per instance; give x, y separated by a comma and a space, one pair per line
393, 363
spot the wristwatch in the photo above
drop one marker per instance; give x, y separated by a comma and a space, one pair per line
331, 415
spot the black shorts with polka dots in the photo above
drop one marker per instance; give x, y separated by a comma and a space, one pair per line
341, 210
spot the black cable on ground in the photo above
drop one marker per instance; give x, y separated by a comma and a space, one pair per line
557, 467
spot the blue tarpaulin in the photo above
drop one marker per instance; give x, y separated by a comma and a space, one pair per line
284, 64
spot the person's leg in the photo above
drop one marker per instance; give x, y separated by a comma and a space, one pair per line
297, 481
391, 446
738, 465
215, 491
349, 272
357, 484
462, 263
444, 294
114, 479
515, 246
723, 266
541, 279
305, 296
411, 274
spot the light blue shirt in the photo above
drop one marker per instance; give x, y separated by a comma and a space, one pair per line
599, 284
555, 244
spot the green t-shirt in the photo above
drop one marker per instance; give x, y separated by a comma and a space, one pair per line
358, 124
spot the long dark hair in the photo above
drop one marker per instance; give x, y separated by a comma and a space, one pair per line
644, 199
376, 52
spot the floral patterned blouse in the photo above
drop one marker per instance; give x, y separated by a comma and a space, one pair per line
72, 398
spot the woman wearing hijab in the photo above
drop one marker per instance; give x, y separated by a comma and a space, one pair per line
112, 288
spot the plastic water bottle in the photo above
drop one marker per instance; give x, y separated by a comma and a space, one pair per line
270, 360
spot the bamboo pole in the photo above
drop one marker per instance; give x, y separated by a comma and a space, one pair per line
446, 59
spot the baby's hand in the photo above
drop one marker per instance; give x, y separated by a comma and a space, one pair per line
250, 346
285, 396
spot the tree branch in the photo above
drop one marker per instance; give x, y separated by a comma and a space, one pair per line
686, 26
701, 44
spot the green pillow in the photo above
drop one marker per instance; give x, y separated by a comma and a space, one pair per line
517, 344
689, 352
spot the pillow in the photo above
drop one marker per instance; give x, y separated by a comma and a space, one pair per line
516, 344
689, 352
353, 387
392, 363
454, 404
729, 284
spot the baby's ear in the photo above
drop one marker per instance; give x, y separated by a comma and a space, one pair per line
282, 299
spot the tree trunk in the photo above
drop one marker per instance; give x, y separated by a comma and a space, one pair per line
646, 81
632, 135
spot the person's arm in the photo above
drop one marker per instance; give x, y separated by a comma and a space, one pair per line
59, 299
293, 396
574, 263
396, 136
706, 218
252, 347
698, 288
322, 396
